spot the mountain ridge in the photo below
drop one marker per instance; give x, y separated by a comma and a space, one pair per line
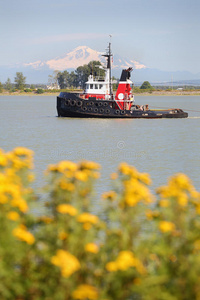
38, 71
83, 55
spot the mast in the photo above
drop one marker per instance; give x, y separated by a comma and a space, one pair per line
108, 56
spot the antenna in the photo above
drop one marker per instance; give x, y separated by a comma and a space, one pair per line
109, 58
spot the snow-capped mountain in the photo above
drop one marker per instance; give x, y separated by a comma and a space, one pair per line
38, 71
80, 56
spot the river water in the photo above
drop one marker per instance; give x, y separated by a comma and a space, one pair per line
160, 147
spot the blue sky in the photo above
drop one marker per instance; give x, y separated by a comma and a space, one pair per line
161, 34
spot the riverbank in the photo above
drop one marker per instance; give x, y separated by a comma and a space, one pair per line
148, 93
170, 93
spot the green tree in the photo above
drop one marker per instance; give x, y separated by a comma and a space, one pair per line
96, 68
72, 80
82, 73
8, 85
146, 85
53, 79
1, 87
63, 79
40, 91
20, 81
79, 77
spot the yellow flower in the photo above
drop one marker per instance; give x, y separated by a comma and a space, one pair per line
166, 226
182, 181
20, 203
67, 262
198, 209
131, 200
8, 190
125, 169
91, 247
145, 178
135, 191
66, 209
164, 203
81, 175
151, 214
88, 218
182, 199
46, 220
90, 165
67, 186
3, 159
87, 225
163, 191
111, 195
111, 266
194, 194
62, 235
85, 291
22, 151
13, 215
51, 168
197, 245
21, 158
66, 165
124, 261
23, 234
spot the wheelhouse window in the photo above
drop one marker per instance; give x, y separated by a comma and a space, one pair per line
91, 86
96, 86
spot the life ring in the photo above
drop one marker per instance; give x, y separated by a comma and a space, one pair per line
67, 102
123, 112
79, 103
117, 111
72, 102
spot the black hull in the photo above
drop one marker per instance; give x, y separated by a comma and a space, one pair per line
71, 105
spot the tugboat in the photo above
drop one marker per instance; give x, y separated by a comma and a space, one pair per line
98, 100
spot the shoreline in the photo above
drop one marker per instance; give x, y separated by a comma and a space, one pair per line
153, 93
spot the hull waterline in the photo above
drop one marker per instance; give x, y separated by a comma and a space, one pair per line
71, 105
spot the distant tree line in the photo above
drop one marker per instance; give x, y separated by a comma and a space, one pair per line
76, 79
19, 84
